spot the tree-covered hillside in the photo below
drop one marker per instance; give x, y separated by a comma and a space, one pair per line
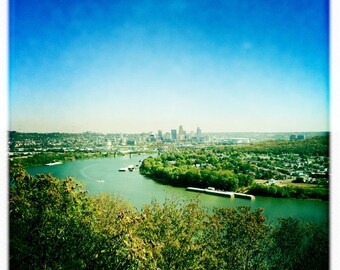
233, 167
314, 146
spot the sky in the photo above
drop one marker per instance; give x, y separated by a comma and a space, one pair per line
139, 66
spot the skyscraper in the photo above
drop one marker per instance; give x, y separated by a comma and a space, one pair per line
160, 134
198, 132
174, 134
180, 133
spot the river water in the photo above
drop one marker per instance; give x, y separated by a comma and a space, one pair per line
101, 175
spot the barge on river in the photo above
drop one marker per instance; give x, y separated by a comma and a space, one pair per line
227, 194
54, 163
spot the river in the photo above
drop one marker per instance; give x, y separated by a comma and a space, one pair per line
101, 175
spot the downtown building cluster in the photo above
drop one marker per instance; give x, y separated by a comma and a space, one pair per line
177, 135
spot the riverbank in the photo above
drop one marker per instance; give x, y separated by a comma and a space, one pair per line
288, 191
55, 158
283, 192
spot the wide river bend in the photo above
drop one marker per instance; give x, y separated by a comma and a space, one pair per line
101, 175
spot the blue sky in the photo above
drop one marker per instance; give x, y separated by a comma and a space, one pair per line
140, 66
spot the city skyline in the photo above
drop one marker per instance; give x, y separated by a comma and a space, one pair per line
141, 66
170, 131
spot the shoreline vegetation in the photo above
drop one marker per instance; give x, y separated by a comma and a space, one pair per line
289, 191
55, 224
48, 158
238, 168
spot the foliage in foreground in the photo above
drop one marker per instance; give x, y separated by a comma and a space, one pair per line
56, 225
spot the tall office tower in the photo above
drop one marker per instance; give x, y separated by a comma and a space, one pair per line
160, 134
180, 133
185, 135
167, 136
198, 132
174, 134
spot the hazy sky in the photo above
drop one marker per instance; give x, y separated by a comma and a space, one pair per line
140, 66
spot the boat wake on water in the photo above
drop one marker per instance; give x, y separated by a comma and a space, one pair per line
87, 177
